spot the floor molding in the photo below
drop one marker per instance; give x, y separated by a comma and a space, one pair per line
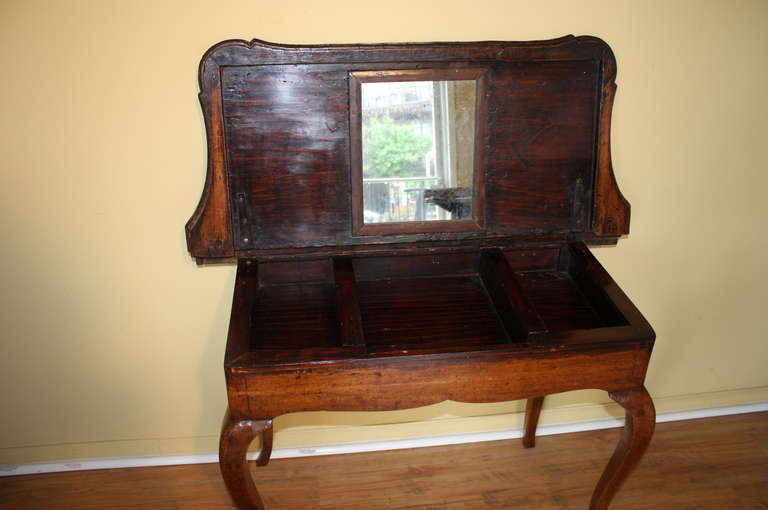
367, 446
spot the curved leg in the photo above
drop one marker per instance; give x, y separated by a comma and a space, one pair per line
236, 435
266, 445
638, 429
532, 412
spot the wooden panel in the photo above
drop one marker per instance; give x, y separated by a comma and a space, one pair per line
243, 299
520, 319
611, 209
296, 271
309, 311
540, 164
558, 301
209, 232
399, 383
427, 313
284, 112
602, 291
532, 260
295, 316
288, 151
409, 266
348, 303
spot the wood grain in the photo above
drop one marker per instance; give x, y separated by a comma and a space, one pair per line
532, 413
706, 464
388, 384
283, 140
348, 303
520, 319
425, 328
209, 233
236, 436
635, 438
428, 302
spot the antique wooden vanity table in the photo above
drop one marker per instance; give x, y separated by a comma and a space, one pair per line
410, 223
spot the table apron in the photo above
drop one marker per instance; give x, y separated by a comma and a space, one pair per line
400, 383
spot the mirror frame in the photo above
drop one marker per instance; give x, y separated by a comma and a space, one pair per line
356, 79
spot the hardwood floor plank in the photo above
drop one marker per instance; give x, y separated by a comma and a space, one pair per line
717, 463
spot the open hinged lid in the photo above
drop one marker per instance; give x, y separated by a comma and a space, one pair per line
352, 148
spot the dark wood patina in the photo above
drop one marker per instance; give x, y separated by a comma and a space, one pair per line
333, 314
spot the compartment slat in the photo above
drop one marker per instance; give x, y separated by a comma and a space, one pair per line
348, 303
519, 317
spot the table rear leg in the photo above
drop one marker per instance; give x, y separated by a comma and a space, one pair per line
638, 429
236, 436
532, 412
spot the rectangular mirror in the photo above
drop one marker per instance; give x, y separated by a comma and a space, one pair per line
416, 155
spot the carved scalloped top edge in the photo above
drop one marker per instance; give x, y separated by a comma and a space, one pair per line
210, 54
391, 45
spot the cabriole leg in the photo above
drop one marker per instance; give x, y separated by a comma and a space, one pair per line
638, 429
236, 435
532, 412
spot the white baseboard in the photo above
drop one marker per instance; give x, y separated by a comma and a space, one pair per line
367, 446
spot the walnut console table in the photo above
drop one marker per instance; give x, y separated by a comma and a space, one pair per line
410, 225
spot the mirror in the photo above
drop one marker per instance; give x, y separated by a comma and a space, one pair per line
417, 145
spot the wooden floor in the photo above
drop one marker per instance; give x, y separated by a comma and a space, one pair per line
718, 463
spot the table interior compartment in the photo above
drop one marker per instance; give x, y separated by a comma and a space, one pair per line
383, 305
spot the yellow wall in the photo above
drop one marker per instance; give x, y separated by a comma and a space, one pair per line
112, 338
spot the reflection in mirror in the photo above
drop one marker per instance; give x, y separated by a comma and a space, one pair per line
417, 150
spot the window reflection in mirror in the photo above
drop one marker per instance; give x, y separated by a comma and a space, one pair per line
417, 150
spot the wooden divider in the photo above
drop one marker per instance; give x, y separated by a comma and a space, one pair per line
348, 303
518, 316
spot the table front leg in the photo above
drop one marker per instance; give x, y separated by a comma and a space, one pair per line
236, 436
638, 429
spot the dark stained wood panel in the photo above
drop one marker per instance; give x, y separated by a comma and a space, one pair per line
541, 163
410, 266
287, 143
295, 316
427, 313
558, 301
291, 271
287, 137
358, 308
532, 260
278, 124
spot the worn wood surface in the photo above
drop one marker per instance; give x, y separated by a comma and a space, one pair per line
209, 231
708, 464
532, 413
395, 332
341, 308
511, 304
348, 303
640, 422
236, 436
280, 130
380, 385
